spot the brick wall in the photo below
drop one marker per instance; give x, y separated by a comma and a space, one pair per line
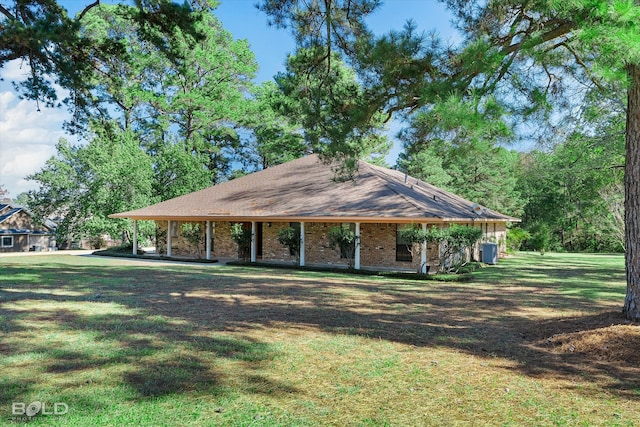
223, 244
432, 256
500, 236
495, 232
180, 246
377, 244
317, 250
161, 237
272, 250
378, 247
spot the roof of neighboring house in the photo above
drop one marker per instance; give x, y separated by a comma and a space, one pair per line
305, 189
9, 213
15, 231
50, 225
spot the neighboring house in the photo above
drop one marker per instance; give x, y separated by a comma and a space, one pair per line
20, 233
304, 193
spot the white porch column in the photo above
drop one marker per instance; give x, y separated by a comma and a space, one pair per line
135, 237
302, 244
254, 248
356, 257
208, 240
423, 253
169, 237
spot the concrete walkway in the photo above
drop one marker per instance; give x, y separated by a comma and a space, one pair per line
150, 261
113, 260
43, 253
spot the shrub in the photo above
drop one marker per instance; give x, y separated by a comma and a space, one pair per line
193, 234
242, 237
290, 237
516, 237
455, 243
96, 242
540, 237
415, 237
346, 240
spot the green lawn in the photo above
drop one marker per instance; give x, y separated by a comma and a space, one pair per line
536, 340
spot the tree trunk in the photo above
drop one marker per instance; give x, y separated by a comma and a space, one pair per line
632, 195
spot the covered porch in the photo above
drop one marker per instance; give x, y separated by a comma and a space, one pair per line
377, 245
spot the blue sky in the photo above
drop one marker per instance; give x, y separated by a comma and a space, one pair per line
28, 137
271, 45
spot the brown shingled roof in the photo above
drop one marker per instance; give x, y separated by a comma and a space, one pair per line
305, 190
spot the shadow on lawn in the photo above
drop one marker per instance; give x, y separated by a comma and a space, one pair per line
155, 368
499, 320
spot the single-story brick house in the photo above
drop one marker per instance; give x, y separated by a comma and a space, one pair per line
304, 193
20, 233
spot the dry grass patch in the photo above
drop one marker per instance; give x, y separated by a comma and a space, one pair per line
618, 343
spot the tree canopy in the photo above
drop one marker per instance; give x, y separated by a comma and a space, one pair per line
52, 43
524, 55
148, 74
175, 107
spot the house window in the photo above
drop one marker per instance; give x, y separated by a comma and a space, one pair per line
402, 247
7, 241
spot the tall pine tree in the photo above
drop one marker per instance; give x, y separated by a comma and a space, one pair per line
524, 53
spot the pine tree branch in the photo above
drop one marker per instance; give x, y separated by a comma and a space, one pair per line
87, 9
5, 12
582, 64
563, 29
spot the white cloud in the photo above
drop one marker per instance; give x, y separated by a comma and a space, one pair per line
17, 163
27, 136
25, 162
16, 70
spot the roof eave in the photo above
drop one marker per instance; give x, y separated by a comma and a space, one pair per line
297, 218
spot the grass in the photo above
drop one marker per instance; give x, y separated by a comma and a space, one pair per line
534, 340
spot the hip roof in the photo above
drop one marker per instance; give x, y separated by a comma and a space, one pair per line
306, 189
